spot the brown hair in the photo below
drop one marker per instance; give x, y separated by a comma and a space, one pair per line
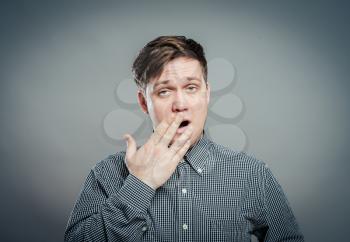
156, 54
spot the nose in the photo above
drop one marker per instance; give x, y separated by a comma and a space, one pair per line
179, 103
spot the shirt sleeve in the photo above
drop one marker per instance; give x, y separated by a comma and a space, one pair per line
281, 223
121, 216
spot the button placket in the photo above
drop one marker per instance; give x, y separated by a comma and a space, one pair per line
185, 204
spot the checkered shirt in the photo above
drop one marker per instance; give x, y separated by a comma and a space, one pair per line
215, 194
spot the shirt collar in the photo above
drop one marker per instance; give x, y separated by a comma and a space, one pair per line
197, 155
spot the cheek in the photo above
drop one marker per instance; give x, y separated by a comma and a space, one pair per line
200, 110
161, 111
200, 105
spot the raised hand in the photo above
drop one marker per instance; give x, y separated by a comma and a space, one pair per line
156, 160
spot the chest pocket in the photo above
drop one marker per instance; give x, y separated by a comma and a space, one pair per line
220, 218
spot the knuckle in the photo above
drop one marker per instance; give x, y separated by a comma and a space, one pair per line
176, 156
174, 147
158, 151
167, 136
157, 133
186, 136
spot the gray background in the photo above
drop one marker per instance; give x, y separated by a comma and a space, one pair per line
60, 63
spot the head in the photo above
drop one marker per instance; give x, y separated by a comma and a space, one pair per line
171, 75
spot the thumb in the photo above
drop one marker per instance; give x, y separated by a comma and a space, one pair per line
131, 146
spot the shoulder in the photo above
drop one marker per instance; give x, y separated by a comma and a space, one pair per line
236, 159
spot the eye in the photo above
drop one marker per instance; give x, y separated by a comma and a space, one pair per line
192, 88
163, 92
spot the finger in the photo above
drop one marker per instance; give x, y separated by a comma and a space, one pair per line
180, 142
159, 132
171, 131
181, 153
131, 146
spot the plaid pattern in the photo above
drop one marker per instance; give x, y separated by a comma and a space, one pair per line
216, 194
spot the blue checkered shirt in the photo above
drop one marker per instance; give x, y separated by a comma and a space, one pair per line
215, 194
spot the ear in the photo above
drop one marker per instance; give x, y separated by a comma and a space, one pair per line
141, 98
208, 92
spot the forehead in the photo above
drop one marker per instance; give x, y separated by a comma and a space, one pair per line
180, 69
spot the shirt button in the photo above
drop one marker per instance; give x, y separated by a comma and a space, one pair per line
184, 190
185, 226
144, 228
199, 170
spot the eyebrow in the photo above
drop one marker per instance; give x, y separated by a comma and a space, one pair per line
164, 82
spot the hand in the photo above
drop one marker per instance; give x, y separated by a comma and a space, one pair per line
155, 161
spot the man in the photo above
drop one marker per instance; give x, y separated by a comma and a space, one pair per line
180, 185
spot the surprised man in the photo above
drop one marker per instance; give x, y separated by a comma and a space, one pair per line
180, 185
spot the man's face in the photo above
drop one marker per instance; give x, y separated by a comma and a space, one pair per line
179, 89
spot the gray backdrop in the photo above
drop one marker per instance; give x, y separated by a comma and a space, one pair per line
65, 99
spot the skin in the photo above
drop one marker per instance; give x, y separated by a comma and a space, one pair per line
179, 93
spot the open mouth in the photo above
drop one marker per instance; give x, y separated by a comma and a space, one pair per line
182, 126
184, 123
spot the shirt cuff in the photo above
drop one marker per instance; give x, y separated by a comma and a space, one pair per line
136, 193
